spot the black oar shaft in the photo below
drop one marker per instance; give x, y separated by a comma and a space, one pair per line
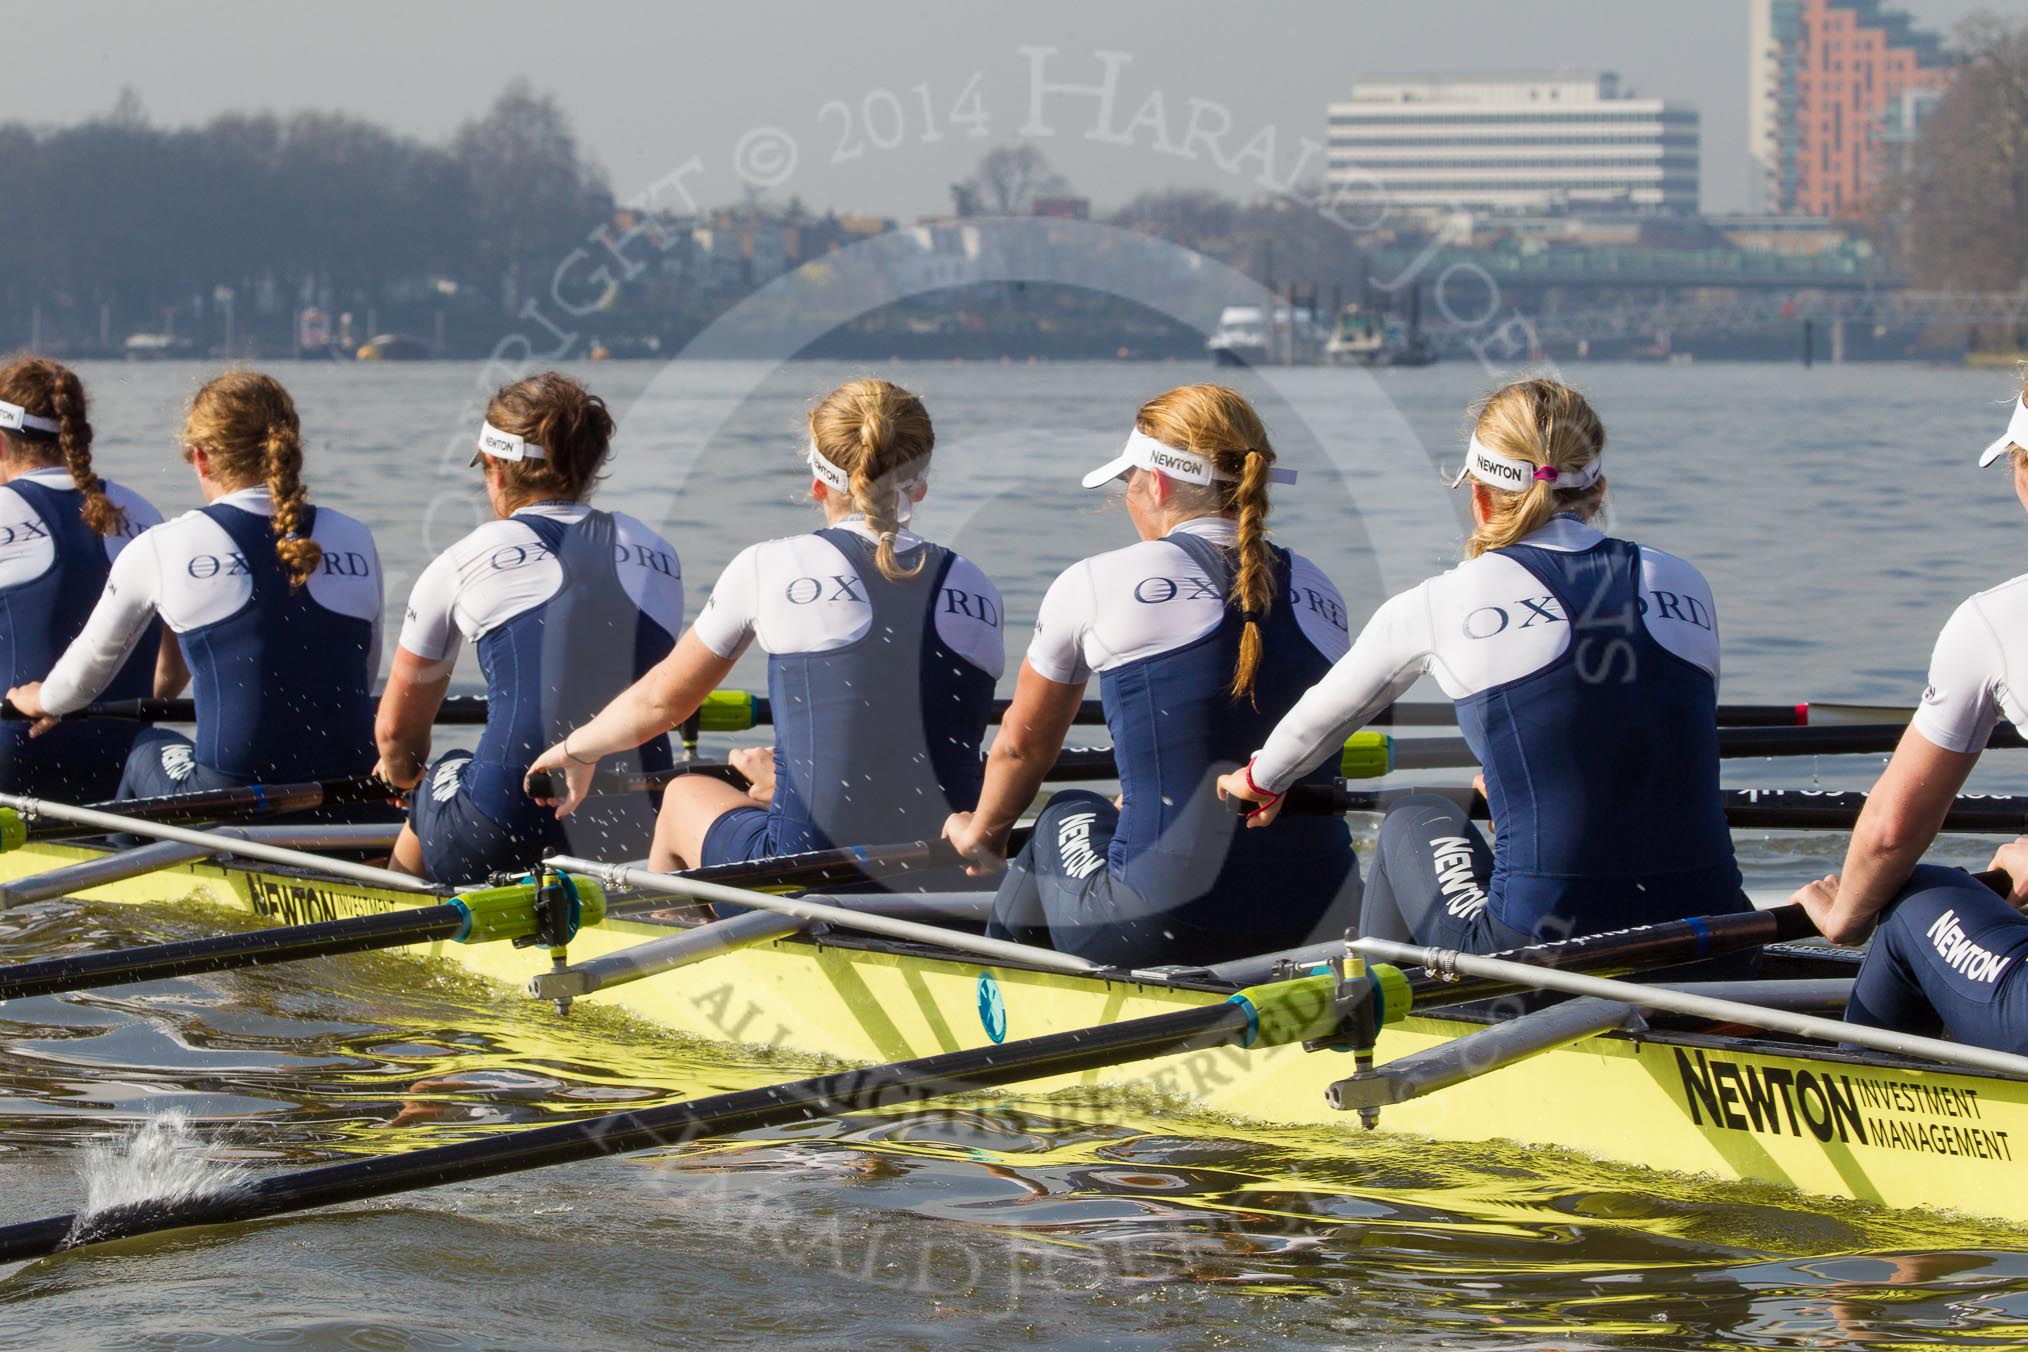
1090, 713
1428, 753
154, 962
251, 800
1405, 753
880, 1087
1647, 948
1076, 762
1620, 951
1970, 817
548, 784
1745, 809
467, 709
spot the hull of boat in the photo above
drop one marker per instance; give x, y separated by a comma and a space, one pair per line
1827, 1122
1239, 355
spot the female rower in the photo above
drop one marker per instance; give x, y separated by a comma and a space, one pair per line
882, 653
1585, 671
61, 526
1201, 636
1948, 953
274, 605
566, 605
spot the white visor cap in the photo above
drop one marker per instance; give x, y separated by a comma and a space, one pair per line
2016, 435
505, 446
1144, 452
1495, 470
14, 418
827, 471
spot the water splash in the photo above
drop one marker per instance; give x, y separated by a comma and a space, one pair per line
162, 1161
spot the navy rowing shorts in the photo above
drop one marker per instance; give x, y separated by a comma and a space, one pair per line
1947, 959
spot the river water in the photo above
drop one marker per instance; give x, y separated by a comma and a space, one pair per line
1840, 518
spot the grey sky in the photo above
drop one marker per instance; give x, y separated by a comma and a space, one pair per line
650, 86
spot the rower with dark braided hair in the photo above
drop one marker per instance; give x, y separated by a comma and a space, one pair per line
61, 527
1201, 635
274, 607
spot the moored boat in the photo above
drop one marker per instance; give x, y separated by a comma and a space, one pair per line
1677, 1096
1252, 335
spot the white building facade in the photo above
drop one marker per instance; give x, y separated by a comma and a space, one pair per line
1515, 143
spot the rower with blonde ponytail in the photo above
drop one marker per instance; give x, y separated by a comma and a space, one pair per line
1201, 635
867, 419
61, 527
1585, 671
882, 653
272, 606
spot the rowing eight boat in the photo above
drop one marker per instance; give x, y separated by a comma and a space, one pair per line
1823, 1120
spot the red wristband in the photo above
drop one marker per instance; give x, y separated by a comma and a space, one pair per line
1266, 799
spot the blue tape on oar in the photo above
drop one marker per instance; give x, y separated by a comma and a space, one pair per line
1702, 931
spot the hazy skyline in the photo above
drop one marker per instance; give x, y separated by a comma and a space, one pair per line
872, 107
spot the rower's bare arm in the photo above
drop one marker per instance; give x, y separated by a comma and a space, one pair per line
671, 691
172, 673
111, 632
1029, 740
1390, 654
1899, 822
668, 694
408, 710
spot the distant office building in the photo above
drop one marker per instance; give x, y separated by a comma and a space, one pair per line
1838, 90
1507, 143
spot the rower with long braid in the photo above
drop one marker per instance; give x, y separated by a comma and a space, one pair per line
1201, 636
274, 604
61, 527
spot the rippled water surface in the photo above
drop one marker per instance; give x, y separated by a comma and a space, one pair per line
1839, 518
